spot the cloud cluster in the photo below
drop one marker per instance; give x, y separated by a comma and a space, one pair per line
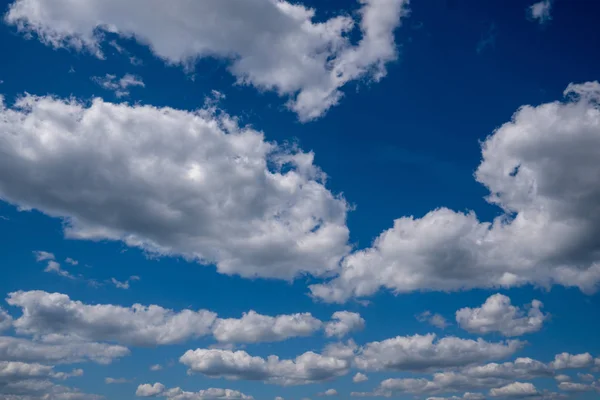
46, 314
426, 352
497, 314
540, 169
56, 314
500, 378
61, 351
172, 182
158, 389
33, 381
272, 45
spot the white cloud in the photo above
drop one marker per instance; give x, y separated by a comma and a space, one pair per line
115, 381
43, 256
329, 392
578, 387
120, 87
468, 378
541, 11
173, 183
586, 377
308, 62
156, 367
515, 389
344, 322
71, 261
562, 378
359, 377
147, 390
125, 284
541, 169
208, 394
16, 349
497, 314
5, 320
255, 328
433, 319
54, 268
55, 313
572, 361
15, 370
466, 396
476, 377
424, 352
306, 368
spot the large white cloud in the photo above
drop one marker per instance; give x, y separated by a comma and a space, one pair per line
541, 169
254, 327
64, 352
425, 352
272, 44
172, 182
56, 314
497, 314
307, 368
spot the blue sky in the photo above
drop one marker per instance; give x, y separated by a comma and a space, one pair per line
270, 199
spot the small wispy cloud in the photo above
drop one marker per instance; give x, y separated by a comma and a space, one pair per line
433, 319
125, 284
488, 39
541, 11
119, 86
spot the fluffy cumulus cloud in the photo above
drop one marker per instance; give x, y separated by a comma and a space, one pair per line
482, 377
497, 314
466, 396
58, 350
515, 389
541, 11
255, 328
344, 322
297, 57
572, 361
359, 377
425, 352
172, 182
148, 390
540, 169
32, 381
329, 392
307, 368
56, 314
5, 320
158, 389
479, 377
